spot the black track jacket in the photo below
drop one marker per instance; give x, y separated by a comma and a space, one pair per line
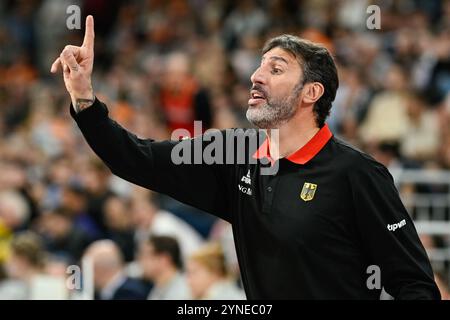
320, 228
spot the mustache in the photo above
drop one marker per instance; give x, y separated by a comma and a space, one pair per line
260, 89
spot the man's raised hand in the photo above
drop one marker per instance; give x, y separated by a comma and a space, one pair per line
77, 64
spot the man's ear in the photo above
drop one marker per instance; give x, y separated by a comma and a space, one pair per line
312, 92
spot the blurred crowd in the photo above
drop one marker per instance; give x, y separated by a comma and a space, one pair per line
160, 65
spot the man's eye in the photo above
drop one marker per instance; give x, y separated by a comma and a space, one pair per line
276, 71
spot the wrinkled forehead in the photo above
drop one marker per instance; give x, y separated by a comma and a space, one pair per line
281, 56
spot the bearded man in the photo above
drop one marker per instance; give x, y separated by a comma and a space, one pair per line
328, 223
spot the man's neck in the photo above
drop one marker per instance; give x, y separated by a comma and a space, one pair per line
292, 136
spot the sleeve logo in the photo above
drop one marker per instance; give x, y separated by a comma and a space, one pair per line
395, 226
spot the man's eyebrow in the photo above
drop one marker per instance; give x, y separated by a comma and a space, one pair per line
277, 58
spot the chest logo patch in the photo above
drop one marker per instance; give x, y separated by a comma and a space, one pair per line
308, 191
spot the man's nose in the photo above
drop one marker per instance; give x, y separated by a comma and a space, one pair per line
258, 77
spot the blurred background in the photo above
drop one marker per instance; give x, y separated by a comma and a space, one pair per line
160, 65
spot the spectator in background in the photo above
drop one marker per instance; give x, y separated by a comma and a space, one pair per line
58, 173
14, 212
110, 281
95, 178
25, 262
61, 236
421, 140
222, 232
74, 201
119, 226
350, 105
207, 276
161, 262
246, 18
148, 220
180, 96
387, 118
439, 78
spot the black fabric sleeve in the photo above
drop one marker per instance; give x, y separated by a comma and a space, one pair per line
148, 163
405, 269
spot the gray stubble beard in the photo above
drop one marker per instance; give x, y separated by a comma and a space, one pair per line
274, 113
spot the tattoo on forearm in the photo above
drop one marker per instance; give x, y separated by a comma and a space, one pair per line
81, 104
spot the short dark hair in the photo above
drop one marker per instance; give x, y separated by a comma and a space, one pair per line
169, 246
317, 65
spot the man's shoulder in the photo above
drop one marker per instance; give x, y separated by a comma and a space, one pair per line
355, 159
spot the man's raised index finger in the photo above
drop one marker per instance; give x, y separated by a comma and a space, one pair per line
88, 41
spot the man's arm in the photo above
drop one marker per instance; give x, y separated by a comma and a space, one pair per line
143, 162
405, 269
148, 163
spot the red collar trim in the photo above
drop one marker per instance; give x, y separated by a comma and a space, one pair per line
302, 155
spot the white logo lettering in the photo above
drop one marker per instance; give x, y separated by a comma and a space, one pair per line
245, 190
395, 226
246, 179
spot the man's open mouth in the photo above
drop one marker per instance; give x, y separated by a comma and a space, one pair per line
256, 97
